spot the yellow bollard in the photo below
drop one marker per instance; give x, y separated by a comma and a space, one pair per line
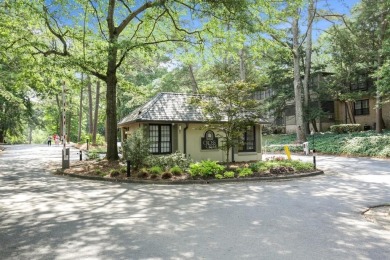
287, 150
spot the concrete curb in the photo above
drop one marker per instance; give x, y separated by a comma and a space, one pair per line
183, 182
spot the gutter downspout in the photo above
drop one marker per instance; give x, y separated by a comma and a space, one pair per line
185, 139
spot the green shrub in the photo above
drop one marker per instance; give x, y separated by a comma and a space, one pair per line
219, 176
154, 176
100, 140
228, 174
366, 143
345, 128
142, 174
176, 170
273, 129
281, 170
244, 172
92, 155
301, 166
99, 172
123, 170
254, 167
114, 173
136, 148
168, 161
155, 170
166, 175
205, 169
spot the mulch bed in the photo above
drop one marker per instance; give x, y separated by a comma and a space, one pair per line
101, 170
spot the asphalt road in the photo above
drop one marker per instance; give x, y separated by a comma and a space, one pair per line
43, 216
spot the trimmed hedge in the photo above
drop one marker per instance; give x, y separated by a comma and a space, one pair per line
346, 128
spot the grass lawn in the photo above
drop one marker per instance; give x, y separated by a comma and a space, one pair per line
366, 143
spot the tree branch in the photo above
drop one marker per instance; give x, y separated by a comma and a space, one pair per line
155, 22
176, 26
58, 35
98, 19
133, 15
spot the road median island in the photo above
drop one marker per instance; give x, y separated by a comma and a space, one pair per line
191, 181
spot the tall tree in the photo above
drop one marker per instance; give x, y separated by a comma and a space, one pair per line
80, 109
229, 106
95, 120
128, 26
90, 106
308, 52
297, 82
358, 51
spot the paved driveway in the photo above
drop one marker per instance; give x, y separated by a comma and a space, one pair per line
43, 216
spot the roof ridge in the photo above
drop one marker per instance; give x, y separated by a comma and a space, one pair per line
178, 93
145, 108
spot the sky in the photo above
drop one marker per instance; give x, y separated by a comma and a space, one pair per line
332, 6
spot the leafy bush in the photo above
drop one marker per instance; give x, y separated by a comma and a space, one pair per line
219, 176
143, 174
281, 170
244, 172
176, 170
136, 148
276, 163
273, 129
166, 175
155, 170
154, 176
169, 161
114, 173
229, 174
205, 169
123, 170
345, 128
366, 143
92, 155
100, 140
99, 172
301, 166
255, 167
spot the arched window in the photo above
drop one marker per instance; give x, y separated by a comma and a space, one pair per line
209, 141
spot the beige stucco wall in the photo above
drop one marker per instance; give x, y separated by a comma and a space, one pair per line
364, 119
129, 129
194, 134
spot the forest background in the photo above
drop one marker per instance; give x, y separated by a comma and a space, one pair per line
114, 55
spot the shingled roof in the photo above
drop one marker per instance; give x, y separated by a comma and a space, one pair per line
167, 107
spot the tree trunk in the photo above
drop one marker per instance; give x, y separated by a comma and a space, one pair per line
111, 130
80, 109
95, 120
379, 116
308, 50
60, 116
90, 108
1, 136
314, 124
301, 137
350, 112
30, 134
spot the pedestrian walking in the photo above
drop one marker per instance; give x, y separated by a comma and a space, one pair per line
56, 139
49, 141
